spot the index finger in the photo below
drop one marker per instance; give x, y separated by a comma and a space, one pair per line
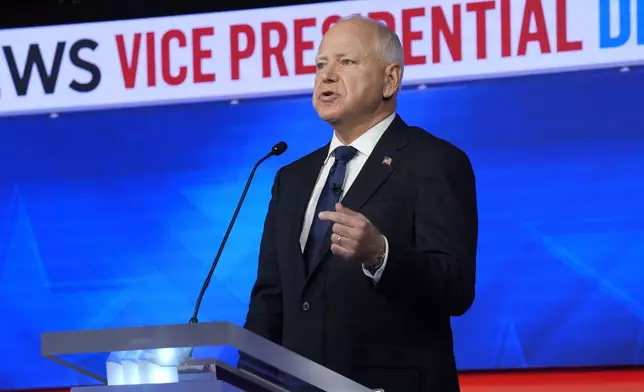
341, 208
337, 217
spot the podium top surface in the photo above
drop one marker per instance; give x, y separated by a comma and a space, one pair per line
55, 345
143, 338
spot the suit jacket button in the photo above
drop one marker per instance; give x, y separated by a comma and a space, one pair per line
306, 306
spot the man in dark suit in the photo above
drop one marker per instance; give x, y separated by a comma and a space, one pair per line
369, 244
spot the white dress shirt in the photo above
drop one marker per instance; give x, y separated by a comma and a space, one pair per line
365, 145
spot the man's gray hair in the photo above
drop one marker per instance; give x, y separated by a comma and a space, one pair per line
389, 46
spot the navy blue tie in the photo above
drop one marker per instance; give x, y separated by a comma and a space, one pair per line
328, 198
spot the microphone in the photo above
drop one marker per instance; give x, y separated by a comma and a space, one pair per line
277, 149
336, 188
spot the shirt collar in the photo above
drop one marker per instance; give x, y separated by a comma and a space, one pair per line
367, 141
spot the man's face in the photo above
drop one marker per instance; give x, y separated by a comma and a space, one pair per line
350, 77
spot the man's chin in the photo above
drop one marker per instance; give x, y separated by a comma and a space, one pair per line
329, 117
331, 120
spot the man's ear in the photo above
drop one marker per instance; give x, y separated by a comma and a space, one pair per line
393, 79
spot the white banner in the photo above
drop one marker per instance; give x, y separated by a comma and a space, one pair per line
266, 52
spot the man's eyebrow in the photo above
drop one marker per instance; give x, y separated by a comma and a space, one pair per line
324, 57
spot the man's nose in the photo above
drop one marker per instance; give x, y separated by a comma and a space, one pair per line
329, 74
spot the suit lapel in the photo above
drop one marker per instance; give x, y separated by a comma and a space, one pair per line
383, 159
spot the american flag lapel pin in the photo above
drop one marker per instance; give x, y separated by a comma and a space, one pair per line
386, 161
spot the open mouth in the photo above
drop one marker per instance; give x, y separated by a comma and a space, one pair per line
328, 96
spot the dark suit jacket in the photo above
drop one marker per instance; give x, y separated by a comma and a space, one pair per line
395, 334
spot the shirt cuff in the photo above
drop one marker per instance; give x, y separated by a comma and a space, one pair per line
378, 273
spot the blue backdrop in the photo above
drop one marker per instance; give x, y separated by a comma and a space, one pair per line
111, 218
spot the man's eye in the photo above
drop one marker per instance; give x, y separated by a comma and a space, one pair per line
319, 65
347, 62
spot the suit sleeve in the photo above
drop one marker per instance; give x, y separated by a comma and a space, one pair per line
265, 309
440, 268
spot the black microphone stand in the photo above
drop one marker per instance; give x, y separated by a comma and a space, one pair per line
277, 149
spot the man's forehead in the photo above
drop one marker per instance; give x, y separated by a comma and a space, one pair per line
350, 30
337, 51
343, 42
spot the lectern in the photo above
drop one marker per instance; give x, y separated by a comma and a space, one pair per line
187, 358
